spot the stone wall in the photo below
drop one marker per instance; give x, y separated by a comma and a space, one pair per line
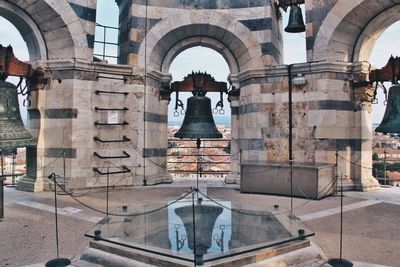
258, 17
326, 118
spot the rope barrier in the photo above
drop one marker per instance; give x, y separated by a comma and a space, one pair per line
116, 214
355, 164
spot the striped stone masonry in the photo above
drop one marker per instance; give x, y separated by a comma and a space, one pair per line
78, 116
258, 17
346, 30
326, 118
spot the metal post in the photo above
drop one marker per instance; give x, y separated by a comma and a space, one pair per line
336, 169
384, 167
13, 170
108, 178
104, 44
1, 187
290, 136
340, 262
341, 217
144, 95
240, 163
55, 211
194, 231
60, 262
198, 143
64, 184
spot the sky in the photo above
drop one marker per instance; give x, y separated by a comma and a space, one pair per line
199, 58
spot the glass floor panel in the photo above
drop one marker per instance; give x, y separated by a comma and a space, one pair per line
199, 229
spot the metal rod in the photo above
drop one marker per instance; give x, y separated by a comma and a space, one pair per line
289, 69
104, 26
336, 169
109, 43
189, 155
341, 216
194, 230
107, 109
144, 95
126, 170
108, 178
196, 147
111, 124
124, 139
97, 92
64, 184
1, 186
198, 143
126, 155
384, 166
106, 56
240, 164
204, 172
55, 211
13, 170
203, 162
204, 140
104, 41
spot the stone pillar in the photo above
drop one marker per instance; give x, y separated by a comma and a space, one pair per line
364, 180
29, 182
154, 132
234, 175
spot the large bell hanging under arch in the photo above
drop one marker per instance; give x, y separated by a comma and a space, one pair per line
198, 122
391, 120
13, 133
296, 22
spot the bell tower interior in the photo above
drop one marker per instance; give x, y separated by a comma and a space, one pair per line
151, 35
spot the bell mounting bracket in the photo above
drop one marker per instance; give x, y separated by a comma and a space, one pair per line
389, 73
11, 66
198, 81
284, 4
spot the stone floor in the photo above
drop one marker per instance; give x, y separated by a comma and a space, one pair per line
371, 220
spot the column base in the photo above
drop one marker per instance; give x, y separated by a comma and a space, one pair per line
367, 184
29, 184
158, 179
232, 178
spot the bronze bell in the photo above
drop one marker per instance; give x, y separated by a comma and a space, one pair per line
13, 133
198, 122
296, 22
391, 120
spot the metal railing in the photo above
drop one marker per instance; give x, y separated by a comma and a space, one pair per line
183, 157
104, 42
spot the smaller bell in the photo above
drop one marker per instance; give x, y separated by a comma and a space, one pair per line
296, 22
391, 120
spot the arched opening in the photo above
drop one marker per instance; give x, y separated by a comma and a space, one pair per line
14, 165
28, 30
214, 154
349, 34
231, 39
385, 148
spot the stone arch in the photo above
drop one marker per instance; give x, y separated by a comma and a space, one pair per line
199, 41
51, 29
28, 29
214, 30
350, 30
